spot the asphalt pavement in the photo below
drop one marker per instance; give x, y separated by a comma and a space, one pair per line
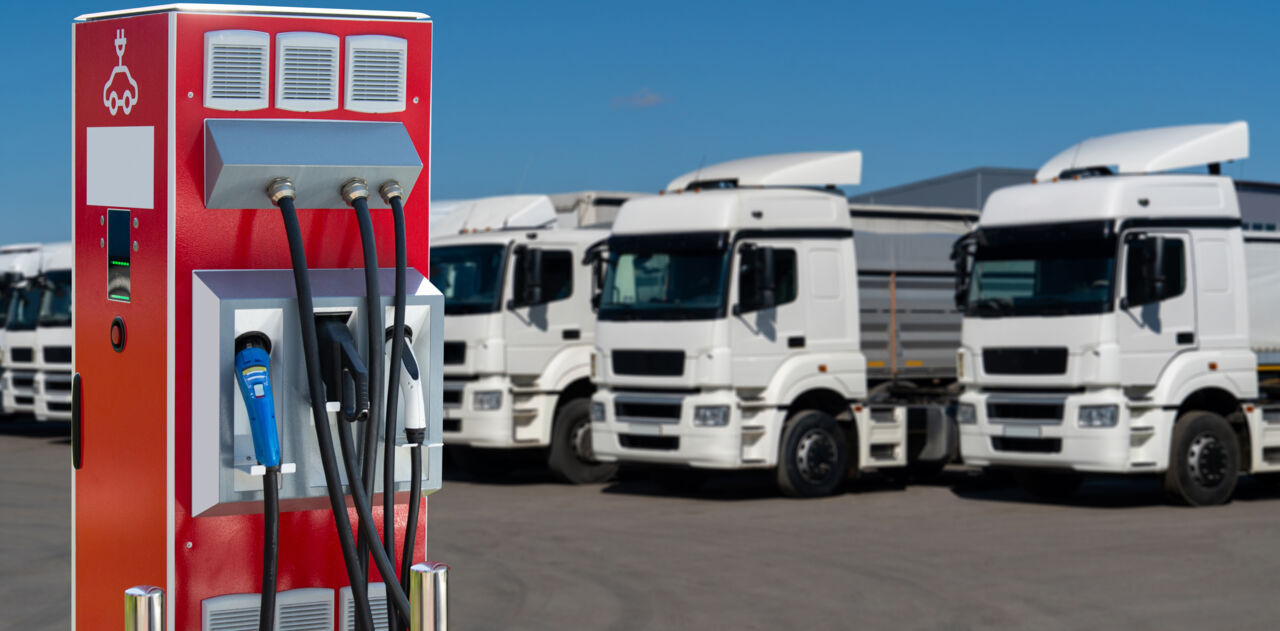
962, 552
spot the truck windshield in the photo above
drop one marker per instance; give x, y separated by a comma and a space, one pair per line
665, 277
1035, 277
469, 276
55, 307
24, 308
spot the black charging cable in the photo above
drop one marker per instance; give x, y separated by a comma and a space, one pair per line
281, 192
393, 194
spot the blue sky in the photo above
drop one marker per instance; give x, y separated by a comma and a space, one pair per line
553, 96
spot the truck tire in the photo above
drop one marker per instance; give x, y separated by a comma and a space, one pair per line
813, 456
1048, 485
1204, 460
571, 459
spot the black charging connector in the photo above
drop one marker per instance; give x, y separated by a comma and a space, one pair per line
345, 376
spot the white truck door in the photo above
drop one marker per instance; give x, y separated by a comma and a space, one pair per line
1164, 325
763, 337
534, 332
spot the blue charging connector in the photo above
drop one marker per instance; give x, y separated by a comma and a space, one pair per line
253, 373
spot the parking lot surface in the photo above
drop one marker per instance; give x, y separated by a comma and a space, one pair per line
962, 552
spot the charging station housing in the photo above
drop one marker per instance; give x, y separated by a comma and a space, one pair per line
182, 116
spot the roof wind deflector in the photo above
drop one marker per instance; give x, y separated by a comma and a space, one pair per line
818, 168
1154, 150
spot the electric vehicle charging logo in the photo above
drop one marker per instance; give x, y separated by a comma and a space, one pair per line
112, 97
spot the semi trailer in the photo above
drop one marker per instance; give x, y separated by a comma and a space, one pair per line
1121, 319
751, 318
54, 335
519, 327
21, 313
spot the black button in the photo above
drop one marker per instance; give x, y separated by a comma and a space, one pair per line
117, 334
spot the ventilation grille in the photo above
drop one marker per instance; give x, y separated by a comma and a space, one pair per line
306, 72
377, 604
375, 73
296, 610
236, 68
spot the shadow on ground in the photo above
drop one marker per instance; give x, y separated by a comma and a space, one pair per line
29, 427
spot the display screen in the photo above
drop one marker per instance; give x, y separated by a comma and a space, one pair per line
118, 255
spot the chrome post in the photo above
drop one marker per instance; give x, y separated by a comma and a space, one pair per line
429, 597
144, 608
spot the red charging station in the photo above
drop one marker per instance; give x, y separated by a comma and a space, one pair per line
156, 217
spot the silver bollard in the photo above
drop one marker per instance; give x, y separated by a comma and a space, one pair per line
429, 597
144, 608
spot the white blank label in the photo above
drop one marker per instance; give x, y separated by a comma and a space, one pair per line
120, 167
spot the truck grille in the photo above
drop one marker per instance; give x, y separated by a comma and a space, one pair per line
648, 363
25, 382
451, 398
630, 411
1024, 361
58, 354
657, 443
21, 354
1006, 412
455, 353
1027, 445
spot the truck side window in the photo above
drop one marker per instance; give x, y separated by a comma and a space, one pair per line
557, 275
784, 262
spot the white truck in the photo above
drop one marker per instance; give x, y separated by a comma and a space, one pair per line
54, 335
1122, 320
21, 313
13, 260
519, 327
738, 328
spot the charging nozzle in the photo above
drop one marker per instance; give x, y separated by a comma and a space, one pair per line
415, 414
253, 374
346, 379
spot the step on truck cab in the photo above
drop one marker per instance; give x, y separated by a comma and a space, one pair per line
11, 276
737, 330
1122, 320
54, 335
21, 314
519, 328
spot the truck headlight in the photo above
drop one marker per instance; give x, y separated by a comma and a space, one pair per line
487, 400
597, 412
711, 416
966, 414
1099, 415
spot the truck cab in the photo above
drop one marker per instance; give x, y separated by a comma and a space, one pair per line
1116, 318
54, 335
519, 328
730, 337
21, 317
11, 275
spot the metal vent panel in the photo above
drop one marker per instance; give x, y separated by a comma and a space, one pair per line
236, 67
309, 609
375, 73
307, 72
377, 603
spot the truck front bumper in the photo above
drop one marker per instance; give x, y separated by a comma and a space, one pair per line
53, 396
521, 419
19, 391
1137, 443
658, 428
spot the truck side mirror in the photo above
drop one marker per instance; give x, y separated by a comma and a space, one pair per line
1144, 271
962, 256
768, 271
533, 277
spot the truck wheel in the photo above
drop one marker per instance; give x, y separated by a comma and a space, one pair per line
1204, 461
1049, 485
572, 459
813, 455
